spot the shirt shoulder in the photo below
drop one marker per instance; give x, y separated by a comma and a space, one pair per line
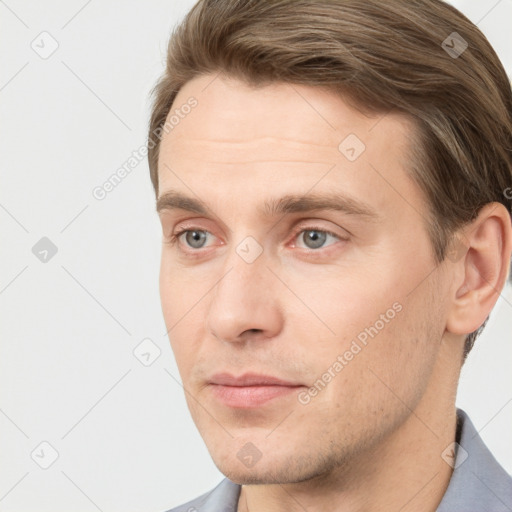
222, 498
478, 483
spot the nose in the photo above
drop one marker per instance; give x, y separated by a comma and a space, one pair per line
245, 304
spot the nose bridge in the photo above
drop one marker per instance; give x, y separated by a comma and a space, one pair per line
241, 300
243, 274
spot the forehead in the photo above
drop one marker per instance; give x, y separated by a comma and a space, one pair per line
228, 109
284, 137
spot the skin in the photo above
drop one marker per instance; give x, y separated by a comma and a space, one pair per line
372, 438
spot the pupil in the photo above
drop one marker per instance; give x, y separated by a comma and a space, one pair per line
195, 238
317, 238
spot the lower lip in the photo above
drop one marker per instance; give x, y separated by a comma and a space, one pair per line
250, 396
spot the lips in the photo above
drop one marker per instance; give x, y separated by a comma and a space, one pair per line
250, 390
249, 379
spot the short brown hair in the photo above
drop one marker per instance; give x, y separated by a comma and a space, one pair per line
395, 56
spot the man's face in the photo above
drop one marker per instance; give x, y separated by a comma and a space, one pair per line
342, 304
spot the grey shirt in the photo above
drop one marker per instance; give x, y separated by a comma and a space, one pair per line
478, 482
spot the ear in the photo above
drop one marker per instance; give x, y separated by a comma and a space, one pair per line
480, 254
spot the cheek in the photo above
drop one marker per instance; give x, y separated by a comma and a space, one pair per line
392, 367
180, 291
369, 321
181, 309
344, 304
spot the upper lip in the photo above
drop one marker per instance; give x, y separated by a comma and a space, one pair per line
249, 379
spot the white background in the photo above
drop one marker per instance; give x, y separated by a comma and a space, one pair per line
69, 326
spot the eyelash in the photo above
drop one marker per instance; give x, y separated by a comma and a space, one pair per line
174, 238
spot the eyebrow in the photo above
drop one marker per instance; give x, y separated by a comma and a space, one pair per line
287, 204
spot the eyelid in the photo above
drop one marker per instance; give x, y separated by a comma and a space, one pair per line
311, 225
302, 225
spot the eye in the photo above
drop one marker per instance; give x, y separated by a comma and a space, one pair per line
312, 237
315, 238
194, 238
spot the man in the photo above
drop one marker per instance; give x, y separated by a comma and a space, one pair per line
333, 180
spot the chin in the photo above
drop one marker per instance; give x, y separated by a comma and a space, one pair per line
262, 472
267, 471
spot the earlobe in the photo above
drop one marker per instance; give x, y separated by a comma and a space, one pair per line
484, 249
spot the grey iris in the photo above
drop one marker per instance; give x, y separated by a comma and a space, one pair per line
195, 239
317, 238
